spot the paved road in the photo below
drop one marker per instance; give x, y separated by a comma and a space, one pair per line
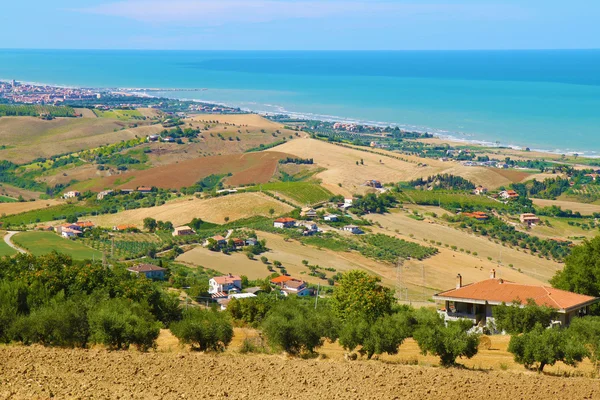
7, 240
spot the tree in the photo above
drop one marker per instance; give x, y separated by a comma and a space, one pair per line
204, 330
445, 340
251, 311
150, 224
226, 219
71, 218
360, 295
586, 330
264, 260
271, 211
385, 335
546, 346
581, 273
297, 328
515, 319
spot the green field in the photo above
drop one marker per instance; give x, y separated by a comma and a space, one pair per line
48, 214
5, 199
304, 193
38, 243
122, 115
448, 199
5, 250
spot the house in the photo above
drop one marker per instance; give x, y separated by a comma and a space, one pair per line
251, 242
126, 191
509, 194
476, 301
373, 183
72, 194
168, 139
221, 241
153, 138
123, 227
308, 212
529, 219
352, 229
70, 233
182, 231
238, 242
149, 271
61, 227
224, 284
85, 224
308, 227
45, 228
331, 217
289, 285
593, 176
254, 290
284, 223
144, 189
103, 194
478, 215
480, 190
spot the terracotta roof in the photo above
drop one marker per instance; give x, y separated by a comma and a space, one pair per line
218, 238
498, 291
281, 279
85, 224
226, 279
294, 283
284, 220
146, 268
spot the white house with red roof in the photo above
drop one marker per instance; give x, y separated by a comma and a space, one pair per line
289, 285
222, 286
476, 301
284, 223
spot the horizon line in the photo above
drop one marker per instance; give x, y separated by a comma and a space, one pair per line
298, 50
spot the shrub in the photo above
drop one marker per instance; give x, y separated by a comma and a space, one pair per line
515, 319
252, 310
445, 340
119, 323
204, 330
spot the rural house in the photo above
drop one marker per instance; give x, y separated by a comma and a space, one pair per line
529, 219
352, 229
480, 190
308, 212
103, 194
223, 285
476, 301
478, 215
373, 183
224, 302
149, 271
331, 218
70, 233
308, 227
220, 240
123, 227
289, 285
284, 223
144, 189
72, 194
85, 224
508, 194
183, 231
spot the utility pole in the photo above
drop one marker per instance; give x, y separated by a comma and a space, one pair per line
317, 296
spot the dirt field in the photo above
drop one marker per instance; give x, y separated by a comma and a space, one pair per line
442, 268
37, 372
16, 208
340, 163
583, 208
12, 191
215, 210
246, 168
29, 138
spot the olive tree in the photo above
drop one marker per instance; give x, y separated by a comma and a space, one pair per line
204, 330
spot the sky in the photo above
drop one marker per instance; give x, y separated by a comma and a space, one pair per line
301, 24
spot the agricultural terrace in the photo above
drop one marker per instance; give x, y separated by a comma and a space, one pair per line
303, 193
125, 245
39, 243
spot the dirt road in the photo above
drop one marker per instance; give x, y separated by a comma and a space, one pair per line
9, 242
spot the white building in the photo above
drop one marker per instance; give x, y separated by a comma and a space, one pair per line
223, 285
72, 194
352, 229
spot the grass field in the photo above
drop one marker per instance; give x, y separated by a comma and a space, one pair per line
46, 214
181, 211
4, 199
583, 208
5, 250
38, 243
303, 193
121, 115
7, 209
444, 198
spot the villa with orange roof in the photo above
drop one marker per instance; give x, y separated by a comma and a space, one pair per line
476, 301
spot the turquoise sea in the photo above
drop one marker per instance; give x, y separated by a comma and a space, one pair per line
546, 100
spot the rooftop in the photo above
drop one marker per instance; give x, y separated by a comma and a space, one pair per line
226, 279
497, 291
146, 268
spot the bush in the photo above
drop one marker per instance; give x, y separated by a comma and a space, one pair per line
360, 295
546, 346
297, 328
587, 331
204, 330
445, 340
515, 319
251, 311
119, 323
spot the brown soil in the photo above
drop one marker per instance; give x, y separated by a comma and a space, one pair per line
41, 373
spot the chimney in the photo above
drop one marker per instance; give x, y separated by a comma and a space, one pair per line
493, 274
458, 281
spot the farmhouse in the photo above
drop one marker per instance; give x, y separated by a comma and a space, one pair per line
331, 217
476, 301
478, 215
149, 271
123, 227
289, 285
103, 194
284, 223
237, 242
70, 233
480, 190
220, 240
508, 194
373, 183
183, 230
85, 224
144, 189
223, 285
308, 227
153, 138
308, 212
352, 229
529, 219
72, 194
251, 242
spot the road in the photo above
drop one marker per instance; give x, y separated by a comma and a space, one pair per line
7, 240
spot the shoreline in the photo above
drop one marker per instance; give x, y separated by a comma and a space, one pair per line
449, 136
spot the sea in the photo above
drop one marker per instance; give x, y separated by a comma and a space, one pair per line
542, 99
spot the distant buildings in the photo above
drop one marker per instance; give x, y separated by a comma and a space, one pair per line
308, 212
529, 219
478, 215
480, 190
289, 285
72, 194
149, 271
508, 194
353, 229
183, 231
284, 223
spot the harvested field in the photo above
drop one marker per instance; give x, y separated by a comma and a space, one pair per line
583, 208
13, 191
290, 254
340, 163
245, 169
181, 211
16, 208
29, 138
38, 372
85, 112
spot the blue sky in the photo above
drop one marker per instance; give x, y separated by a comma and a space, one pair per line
301, 24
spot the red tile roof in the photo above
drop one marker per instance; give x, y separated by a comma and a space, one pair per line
498, 291
285, 220
226, 279
281, 279
146, 268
